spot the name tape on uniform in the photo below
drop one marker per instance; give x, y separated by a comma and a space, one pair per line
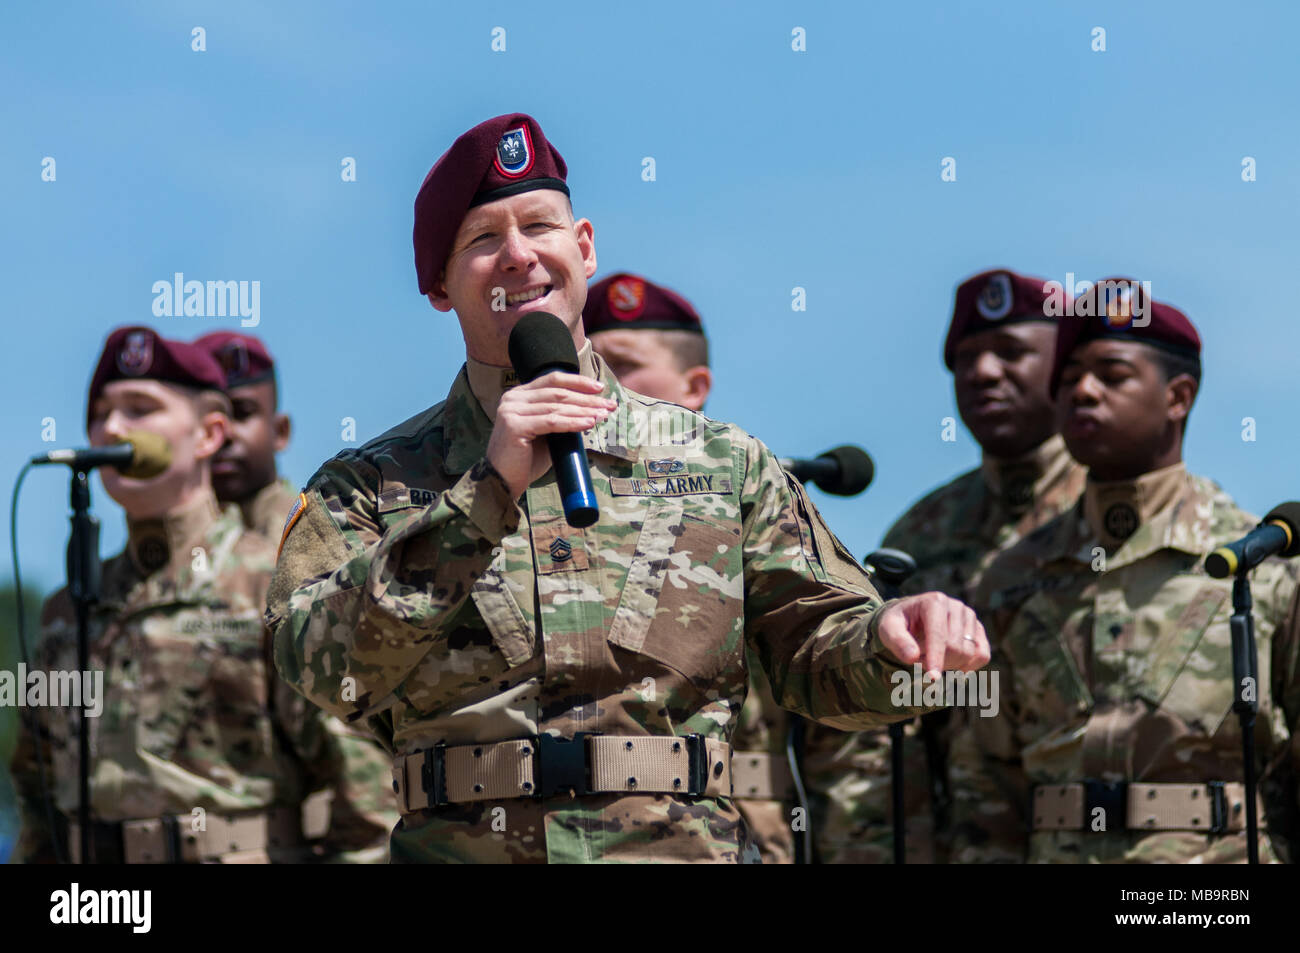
669, 486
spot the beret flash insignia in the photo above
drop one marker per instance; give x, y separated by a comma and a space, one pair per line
515, 153
994, 302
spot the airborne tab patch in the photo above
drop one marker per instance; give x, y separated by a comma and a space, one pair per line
687, 485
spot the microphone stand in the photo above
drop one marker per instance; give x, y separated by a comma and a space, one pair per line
83, 586
1245, 665
891, 568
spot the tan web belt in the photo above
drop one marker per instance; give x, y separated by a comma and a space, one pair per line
1213, 807
760, 776
547, 765
170, 839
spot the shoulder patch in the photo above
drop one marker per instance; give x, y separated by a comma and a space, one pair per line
299, 507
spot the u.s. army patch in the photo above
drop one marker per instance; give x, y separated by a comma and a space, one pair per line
686, 485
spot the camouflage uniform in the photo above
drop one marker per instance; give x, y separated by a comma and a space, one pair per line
760, 740
192, 716
413, 592
953, 534
1114, 657
265, 513
362, 810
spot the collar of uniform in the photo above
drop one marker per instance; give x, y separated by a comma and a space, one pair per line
1133, 518
267, 507
488, 382
468, 425
612, 436
154, 543
1018, 481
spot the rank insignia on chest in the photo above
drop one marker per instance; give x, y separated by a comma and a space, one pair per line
560, 549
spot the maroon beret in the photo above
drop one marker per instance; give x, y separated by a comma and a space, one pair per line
1123, 309
498, 158
243, 357
630, 301
137, 352
993, 299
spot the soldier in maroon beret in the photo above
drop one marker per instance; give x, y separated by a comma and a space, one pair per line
198, 753
170, 388
650, 337
1125, 374
552, 692
999, 348
243, 471
1116, 742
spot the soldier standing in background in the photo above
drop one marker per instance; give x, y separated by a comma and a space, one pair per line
554, 693
654, 342
199, 752
363, 811
999, 349
1116, 741
243, 471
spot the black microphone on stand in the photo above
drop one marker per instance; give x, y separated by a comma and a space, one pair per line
1277, 534
540, 343
844, 471
141, 455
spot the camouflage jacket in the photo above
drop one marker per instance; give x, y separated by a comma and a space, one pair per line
1115, 656
414, 592
953, 533
362, 810
192, 715
265, 513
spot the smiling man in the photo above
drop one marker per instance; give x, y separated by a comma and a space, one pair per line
200, 753
1116, 742
999, 349
552, 693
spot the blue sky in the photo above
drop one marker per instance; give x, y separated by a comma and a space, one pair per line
775, 169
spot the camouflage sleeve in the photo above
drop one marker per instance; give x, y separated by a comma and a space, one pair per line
810, 609
31, 756
35, 844
987, 783
355, 606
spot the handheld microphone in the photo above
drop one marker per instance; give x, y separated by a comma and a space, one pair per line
1277, 534
141, 456
844, 471
539, 344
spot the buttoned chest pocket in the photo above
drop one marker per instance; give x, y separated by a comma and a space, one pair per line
1050, 688
683, 599
1183, 651
203, 688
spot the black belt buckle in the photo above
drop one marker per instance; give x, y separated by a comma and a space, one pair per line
1218, 807
433, 774
697, 765
1111, 797
562, 764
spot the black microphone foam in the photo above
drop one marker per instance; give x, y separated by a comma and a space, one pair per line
539, 343
1288, 513
856, 471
